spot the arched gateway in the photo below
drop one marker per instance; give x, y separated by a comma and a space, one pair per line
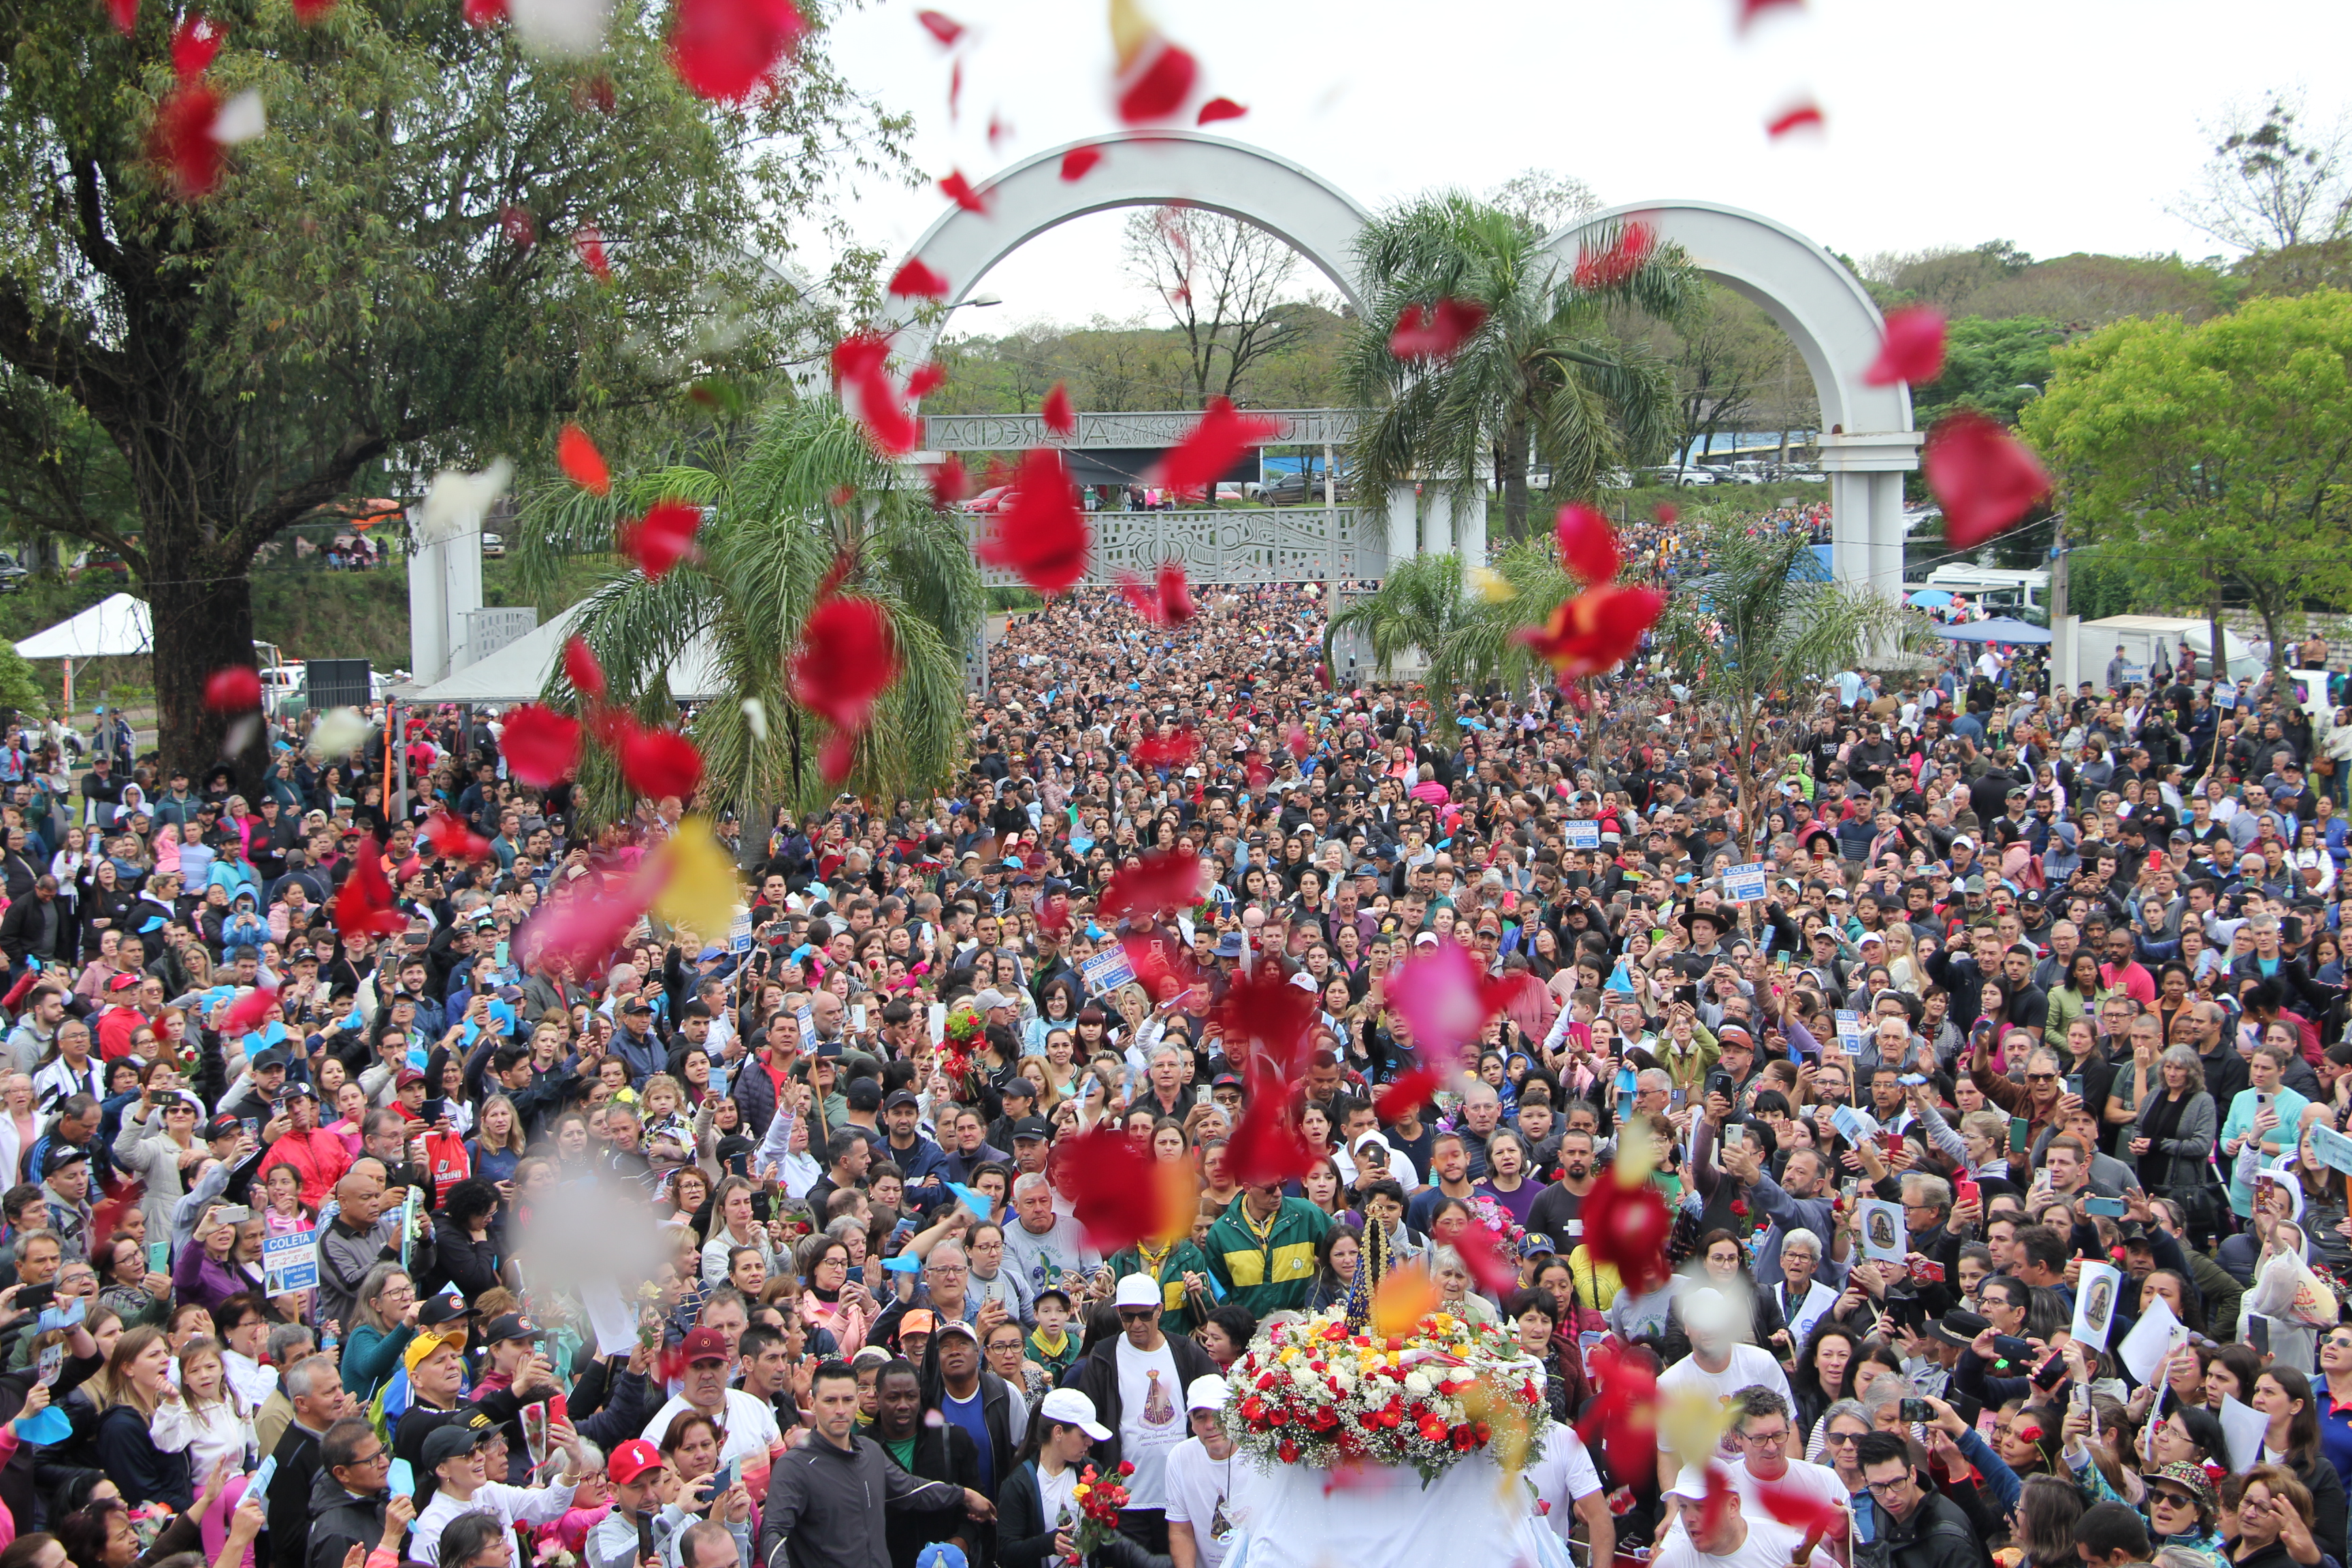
1870, 443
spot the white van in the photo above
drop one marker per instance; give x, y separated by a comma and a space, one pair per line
2003, 592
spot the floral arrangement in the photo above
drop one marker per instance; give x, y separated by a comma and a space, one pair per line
1099, 1501
1313, 1393
963, 1035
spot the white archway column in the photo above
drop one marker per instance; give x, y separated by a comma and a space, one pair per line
1437, 523
1403, 524
1865, 475
1470, 527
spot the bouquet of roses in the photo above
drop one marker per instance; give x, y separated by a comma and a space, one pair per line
963, 1036
1100, 1502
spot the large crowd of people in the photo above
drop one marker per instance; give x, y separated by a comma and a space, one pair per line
341, 1248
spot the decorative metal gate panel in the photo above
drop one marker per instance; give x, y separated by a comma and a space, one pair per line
1019, 432
1288, 545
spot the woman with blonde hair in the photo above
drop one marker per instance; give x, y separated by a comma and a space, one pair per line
1040, 1071
135, 1382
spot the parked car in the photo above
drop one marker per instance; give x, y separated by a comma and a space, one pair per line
1292, 490
494, 545
12, 574
996, 499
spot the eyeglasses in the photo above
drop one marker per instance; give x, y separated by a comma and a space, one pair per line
2172, 1499
1838, 1439
1890, 1486
364, 1460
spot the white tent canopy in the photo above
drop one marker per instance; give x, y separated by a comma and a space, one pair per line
116, 626
518, 672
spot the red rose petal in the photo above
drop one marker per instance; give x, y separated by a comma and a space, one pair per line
1161, 84
957, 189
1793, 1506
1160, 882
1213, 447
195, 43
949, 482
485, 12
1218, 109
917, 281
1077, 161
861, 372
1751, 9
1666, 512
1595, 631
183, 139
1440, 334
1407, 1093
1797, 117
943, 28
723, 50
250, 1011
658, 761
1619, 260
539, 745
661, 539
452, 839
1059, 417
1587, 543
1177, 749
846, 661
1628, 1227
1984, 478
125, 15
1913, 349
363, 905
233, 689
308, 11
1118, 1193
521, 231
590, 244
926, 379
1041, 534
1265, 1146
581, 668
580, 460
1263, 1018
1176, 605
582, 928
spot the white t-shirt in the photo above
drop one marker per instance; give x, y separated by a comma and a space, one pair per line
1748, 1364
515, 1505
1802, 1477
1769, 1544
751, 1424
1198, 1488
1562, 1473
1151, 1419
1054, 1494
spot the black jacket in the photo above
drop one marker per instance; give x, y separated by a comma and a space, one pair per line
1095, 1375
1937, 1535
942, 1453
144, 1472
826, 1506
340, 1521
289, 1500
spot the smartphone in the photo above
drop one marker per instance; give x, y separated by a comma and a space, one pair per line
2075, 1084
1912, 1079
32, 1298
2008, 1347
432, 1110
1719, 1082
2051, 1373
2112, 1207
1892, 1142
1914, 1412
1965, 1190
2017, 1134
1928, 1273
233, 1213
159, 1257
2262, 1102
253, 1128
725, 1480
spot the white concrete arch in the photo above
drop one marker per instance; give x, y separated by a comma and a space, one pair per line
1869, 442
1313, 217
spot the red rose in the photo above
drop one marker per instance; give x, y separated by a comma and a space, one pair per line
1739, 1208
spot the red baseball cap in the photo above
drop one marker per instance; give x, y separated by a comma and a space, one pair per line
705, 1344
631, 1461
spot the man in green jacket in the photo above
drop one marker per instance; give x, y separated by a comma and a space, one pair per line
1263, 1249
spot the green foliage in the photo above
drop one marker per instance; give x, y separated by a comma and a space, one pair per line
347, 296
1544, 378
1133, 365
20, 685
776, 526
1989, 366
2213, 459
1465, 636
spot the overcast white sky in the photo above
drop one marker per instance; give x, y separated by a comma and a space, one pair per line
2063, 125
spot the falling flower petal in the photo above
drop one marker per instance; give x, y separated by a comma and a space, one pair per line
241, 119
1177, 749
658, 763
1490, 1258
1218, 109
1401, 1301
949, 482
183, 139
1160, 85
755, 714
233, 689
1440, 334
539, 745
926, 379
1176, 605
1913, 349
1666, 512
564, 29
699, 886
485, 12
195, 42
1984, 478
1492, 585
520, 228
957, 189
364, 906
125, 14
457, 501
1587, 543
338, 733
250, 1011
1629, 248
1408, 1093
943, 28
1211, 448
1160, 880
581, 930
452, 839
1595, 631
1751, 9
846, 661
861, 373
662, 538
581, 668
1623, 1420
918, 281
1041, 535
1060, 418
579, 458
1077, 161
1263, 1018
1796, 116
1626, 1225
1795, 1506
1118, 1193
590, 244
1265, 1146
724, 49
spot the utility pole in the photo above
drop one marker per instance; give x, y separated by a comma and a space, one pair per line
2065, 655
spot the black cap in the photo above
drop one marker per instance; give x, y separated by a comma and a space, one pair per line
511, 1326
461, 1435
436, 1310
1030, 1127
1018, 1087
275, 1056
864, 1094
900, 1097
223, 1127
1228, 1080
637, 1004
60, 1156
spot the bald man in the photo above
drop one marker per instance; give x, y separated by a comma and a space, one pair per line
364, 1233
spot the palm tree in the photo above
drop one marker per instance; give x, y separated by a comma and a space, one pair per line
1759, 627
802, 493
1464, 629
1542, 378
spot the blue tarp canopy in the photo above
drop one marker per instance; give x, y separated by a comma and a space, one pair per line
1999, 629
1929, 599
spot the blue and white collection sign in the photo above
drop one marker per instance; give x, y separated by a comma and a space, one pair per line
1583, 833
1746, 884
290, 1262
